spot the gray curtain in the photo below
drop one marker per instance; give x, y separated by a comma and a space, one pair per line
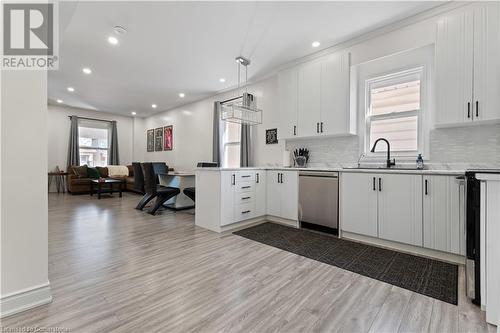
73, 147
113, 146
217, 132
246, 146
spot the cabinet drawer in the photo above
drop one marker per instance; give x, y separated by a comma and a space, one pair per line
244, 211
245, 187
244, 197
245, 176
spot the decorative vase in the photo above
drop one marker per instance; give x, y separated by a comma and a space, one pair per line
300, 161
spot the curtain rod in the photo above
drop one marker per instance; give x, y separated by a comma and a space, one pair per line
95, 119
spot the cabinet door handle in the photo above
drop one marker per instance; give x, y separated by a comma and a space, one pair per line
317, 127
245, 212
374, 187
245, 198
278, 177
321, 128
233, 179
294, 130
425, 187
281, 178
245, 176
245, 187
468, 109
257, 180
477, 109
380, 184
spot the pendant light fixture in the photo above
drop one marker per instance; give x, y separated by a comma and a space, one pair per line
243, 108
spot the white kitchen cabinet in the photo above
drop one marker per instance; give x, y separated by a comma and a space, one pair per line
468, 65
287, 97
227, 190
335, 115
282, 194
260, 192
358, 200
309, 93
400, 208
443, 224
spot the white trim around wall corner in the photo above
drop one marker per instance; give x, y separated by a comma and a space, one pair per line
25, 300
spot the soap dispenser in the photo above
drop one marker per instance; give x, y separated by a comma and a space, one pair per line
420, 162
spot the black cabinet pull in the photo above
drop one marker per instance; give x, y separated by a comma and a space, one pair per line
245, 198
233, 179
257, 179
245, 176
468, 110
425, 186
380, 184
278, 177
245, 212
317, 127
321, 129
294, 130
477, 108
374, 188
281, 178
245, 187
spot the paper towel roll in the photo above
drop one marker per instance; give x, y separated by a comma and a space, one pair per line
286, 159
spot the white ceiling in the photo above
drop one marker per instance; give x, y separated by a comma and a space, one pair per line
174, 47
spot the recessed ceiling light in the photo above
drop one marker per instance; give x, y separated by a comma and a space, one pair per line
222, 80
59, 101
133, 113
70, 89
87, 70
154, 106
112, 40
182, 95
316, 44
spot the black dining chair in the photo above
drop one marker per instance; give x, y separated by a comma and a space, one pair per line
153, 190
138, 177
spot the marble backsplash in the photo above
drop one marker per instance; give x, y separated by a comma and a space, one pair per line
450, 148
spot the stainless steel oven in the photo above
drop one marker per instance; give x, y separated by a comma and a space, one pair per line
319, 198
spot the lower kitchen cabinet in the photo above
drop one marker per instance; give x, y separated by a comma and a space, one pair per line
400, 208
443, 225
358, 203
282, 194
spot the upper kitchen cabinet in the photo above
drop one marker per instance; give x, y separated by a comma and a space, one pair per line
309, 98
287, 91
335, 115
468, 65
314, 98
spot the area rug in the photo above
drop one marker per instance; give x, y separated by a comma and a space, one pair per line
425, 276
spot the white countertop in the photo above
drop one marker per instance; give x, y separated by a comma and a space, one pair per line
340, 169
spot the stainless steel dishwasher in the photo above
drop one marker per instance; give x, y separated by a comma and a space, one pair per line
319, 199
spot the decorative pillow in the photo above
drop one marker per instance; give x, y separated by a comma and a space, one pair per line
130, 170
103, 172
81, 171
93, 173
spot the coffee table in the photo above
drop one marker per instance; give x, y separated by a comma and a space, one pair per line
107, 188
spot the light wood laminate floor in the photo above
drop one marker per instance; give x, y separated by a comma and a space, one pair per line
115, 269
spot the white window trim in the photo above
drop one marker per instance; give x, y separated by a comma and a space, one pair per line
397, 62
388, 79
88, 125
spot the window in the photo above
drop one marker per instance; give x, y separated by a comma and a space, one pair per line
231, 145
94, 142
394, 112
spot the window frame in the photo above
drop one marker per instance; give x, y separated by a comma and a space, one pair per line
88, 124
395, 77
229, 143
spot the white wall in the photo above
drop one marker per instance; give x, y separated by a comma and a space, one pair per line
24, 209
59, 125
193, 129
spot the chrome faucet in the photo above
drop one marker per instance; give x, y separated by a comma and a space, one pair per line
389, 161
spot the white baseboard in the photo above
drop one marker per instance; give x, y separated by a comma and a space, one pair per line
25, 300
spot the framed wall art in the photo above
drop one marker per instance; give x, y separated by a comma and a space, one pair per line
168, 137
271, 136
150, 140
159, 139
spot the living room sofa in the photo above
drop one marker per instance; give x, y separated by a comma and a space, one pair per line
80, 183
